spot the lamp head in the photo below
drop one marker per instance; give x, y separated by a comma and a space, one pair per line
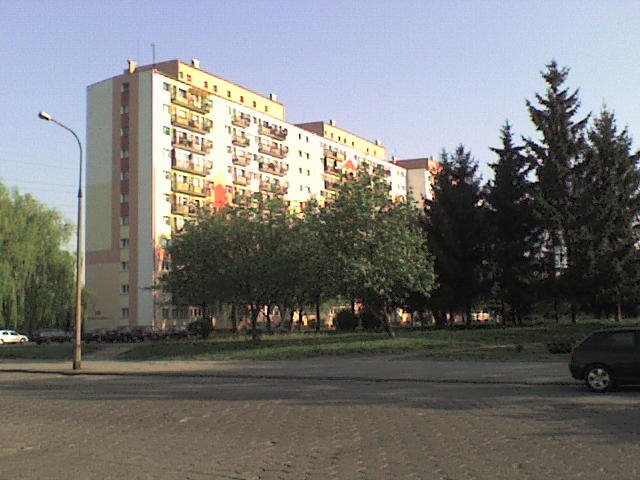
45, 116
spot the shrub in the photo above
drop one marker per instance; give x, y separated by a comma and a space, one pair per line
561, 346
346, 320
369, 320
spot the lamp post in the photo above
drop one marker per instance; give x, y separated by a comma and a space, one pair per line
77, 352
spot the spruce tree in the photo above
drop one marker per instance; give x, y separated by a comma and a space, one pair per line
554, 157
513, 228
607, 211
456, 234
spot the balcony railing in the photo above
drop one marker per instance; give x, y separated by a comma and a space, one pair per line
274, 150
331, 185
273, 168
240, 141
333, 155
241, 160
330, 169
202, 148
193, 102
238, 180
241, 121
191, 167
273, 187
188, 188
179, 209
277, 133
202, 127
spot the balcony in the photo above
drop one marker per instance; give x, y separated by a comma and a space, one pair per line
331, 185
204, 126
333, 155
190, 166
193, 102
331, 169
273, 169
241, 121
179, 209
238, 180
274, 150
241, 160
202, 148
272, 187
277, 133
240, 141
188, 188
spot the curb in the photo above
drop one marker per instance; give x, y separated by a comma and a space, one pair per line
327, 378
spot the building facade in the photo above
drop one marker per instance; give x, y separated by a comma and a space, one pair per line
420, 174
169, 141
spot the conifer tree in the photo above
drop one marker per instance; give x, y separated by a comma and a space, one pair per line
607, 212
456, 234
513, 228
560, 149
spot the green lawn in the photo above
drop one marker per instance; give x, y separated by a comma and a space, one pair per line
499, 343
496, 343
51, 351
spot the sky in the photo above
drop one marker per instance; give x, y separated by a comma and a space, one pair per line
421, 76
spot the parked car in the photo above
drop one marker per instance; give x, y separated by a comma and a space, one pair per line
143, 333
11, 336
607, 358
48, 335
96, 336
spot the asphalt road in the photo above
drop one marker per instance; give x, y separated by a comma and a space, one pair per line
237, 421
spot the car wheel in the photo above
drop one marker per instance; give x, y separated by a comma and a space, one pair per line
22, 340
1, 341
599, 378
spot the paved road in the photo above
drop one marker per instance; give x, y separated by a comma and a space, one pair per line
368, 419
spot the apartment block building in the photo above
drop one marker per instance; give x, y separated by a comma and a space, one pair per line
420, 173
169, 141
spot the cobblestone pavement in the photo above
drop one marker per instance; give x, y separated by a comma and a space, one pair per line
210, 427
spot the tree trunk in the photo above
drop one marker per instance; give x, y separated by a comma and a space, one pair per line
234, 318
573, 312
618, 312
386, 323
318, 314
268, 315
254, 322
291, 316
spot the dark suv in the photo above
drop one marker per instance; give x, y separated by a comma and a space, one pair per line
607, 358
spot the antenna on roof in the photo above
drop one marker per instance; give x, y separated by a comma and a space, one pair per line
153, 51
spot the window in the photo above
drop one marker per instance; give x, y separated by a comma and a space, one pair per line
167, 220
124, 288
206, 84
124, 198
188, 78
165, 313
124, 175
125, 220
165, 265
308, 173
124, 153
165, 86
124, 313
241, 99
124, 243
124, 132
166, 130
266, 108
307, 156
228, 93
124, 266
124, 87
124, 109
215, 88
254, 104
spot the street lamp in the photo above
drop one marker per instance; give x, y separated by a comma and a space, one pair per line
77, 352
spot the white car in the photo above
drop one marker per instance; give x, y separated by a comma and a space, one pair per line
11, 336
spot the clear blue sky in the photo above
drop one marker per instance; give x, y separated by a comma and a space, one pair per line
419, 75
